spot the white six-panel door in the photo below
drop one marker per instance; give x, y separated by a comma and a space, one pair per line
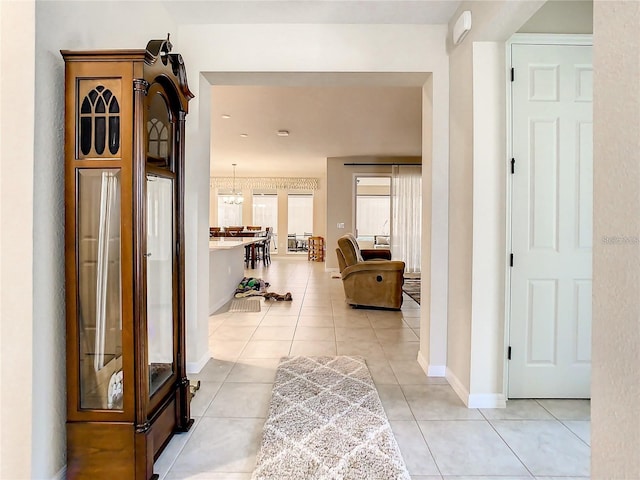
551, 222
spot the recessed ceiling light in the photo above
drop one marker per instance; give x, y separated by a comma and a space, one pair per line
244, 135
225, 115
283, 133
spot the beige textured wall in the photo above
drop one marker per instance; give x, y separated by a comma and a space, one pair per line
65, 25
320, 209
493, 21
460, 214
615, 406
17, 60
560, 16
489, 249
340, 195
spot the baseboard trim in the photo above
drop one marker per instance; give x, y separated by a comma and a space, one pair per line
487, 400
476, 400
457, 386
195, 367
219, 304
431, 370
61, 475
423, 363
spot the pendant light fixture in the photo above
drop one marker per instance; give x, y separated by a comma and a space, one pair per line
236, 197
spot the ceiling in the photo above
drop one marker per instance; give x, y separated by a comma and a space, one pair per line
325, 114
322, 122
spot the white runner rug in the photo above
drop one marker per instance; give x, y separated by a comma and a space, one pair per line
326, 421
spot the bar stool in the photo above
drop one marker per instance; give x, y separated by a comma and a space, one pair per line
263, 247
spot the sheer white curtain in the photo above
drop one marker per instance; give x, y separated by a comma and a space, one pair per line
109, 219
406, 224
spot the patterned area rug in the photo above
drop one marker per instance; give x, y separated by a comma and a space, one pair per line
411, 287
326, 421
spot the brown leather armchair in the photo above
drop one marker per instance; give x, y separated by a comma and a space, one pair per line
369, 276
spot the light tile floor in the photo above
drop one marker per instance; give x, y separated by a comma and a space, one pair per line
439, 437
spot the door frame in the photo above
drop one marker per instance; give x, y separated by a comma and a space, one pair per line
521, 39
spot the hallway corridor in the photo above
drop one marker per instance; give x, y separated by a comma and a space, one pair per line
439, 437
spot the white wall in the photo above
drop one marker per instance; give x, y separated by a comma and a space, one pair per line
616, 52
488, 247
460, 219
473, 329
17, 60
317, 48
432, 355
65, 25
198, 140
615, 385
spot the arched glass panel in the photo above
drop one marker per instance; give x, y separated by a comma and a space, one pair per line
99, 124
86, 135
159, 139
86, 106
101, 131
113, 106
114, 134
100, 107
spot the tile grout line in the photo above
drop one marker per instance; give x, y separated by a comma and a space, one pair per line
509, 446
417, 425
312, 277
175, 458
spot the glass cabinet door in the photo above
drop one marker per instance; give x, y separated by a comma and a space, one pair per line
160, 280
99, 289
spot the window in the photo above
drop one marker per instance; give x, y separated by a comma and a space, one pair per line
373, 211
300, 211
228, 213
265, 211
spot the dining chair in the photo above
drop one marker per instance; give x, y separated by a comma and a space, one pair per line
291, 242
304, 241
233, 231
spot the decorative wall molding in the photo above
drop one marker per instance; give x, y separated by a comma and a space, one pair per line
273, 183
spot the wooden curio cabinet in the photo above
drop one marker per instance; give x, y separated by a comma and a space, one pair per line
127, 389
